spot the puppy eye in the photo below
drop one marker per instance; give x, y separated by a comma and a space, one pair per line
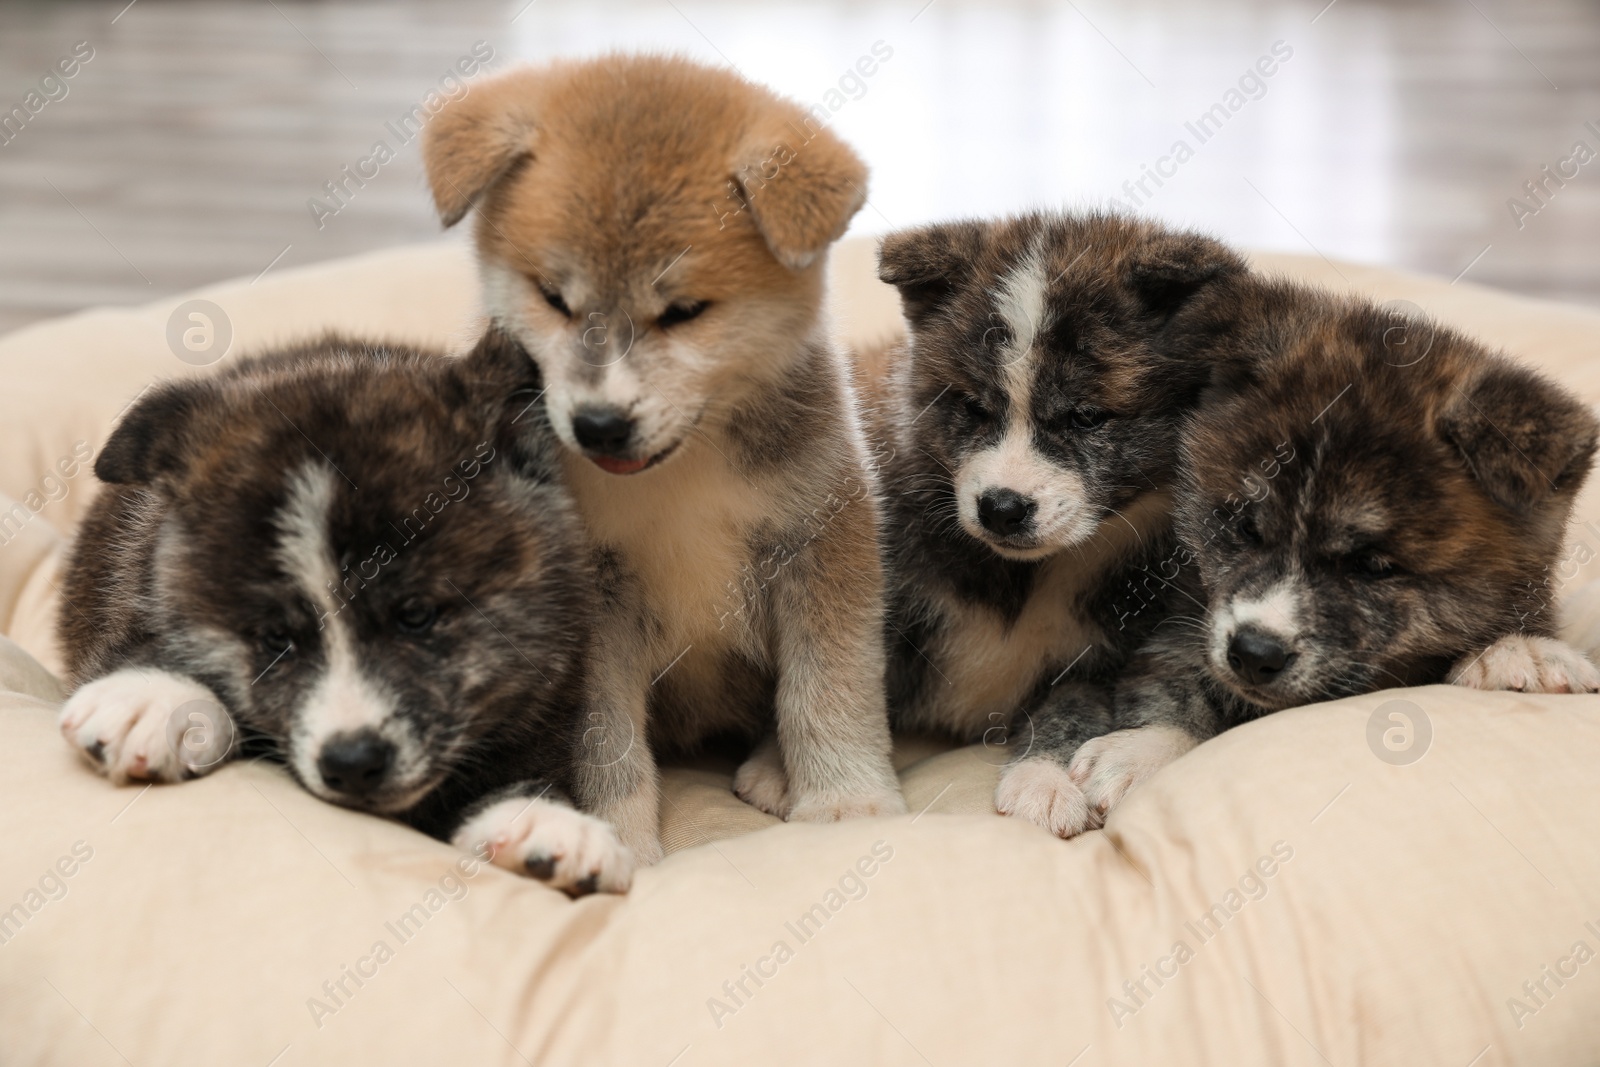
1250, 531
1373, 564
415, 616
1078, 420
677, 313
553, 298
275, 642
974, 408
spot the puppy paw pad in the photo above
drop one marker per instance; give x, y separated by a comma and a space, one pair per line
1111, 766
761, 783
1041, 791
553, 843
147, 725
1529, 665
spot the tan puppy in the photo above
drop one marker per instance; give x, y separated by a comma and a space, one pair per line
654, 232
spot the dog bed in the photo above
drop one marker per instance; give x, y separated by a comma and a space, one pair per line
1329, 885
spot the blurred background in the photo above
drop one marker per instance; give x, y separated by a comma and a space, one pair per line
194, 140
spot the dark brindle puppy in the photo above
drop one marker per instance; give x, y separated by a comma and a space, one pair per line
1031, 423
1380, 506
355, 552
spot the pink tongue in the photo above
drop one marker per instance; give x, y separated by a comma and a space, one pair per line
619, 466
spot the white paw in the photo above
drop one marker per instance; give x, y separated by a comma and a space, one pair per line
130, 727
1108, 768
1528, 665
838, 808
762, 783
557, 844
1040, 791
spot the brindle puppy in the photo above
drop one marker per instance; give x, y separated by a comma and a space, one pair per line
1030, 426
1379, 506
359, 558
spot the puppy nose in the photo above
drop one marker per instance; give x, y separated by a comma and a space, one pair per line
1004, 511
355, 764
1258, 657
603, 430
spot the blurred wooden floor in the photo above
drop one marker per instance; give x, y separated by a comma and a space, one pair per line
187, 149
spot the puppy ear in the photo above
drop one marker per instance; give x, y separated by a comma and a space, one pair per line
500, 365
1524, 438
924, 264
801, 198
475, 141
499, 357
1169, 269
508, 391
154, 436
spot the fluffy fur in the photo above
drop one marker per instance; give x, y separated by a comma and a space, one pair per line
654, 231
360, 559
1378, 504
1032, 420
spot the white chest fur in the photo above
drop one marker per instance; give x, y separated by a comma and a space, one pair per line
988, 665
683, 530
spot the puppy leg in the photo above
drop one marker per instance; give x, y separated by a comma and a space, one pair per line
531, 829
1528, 665
1035, 785
1160, 710
761, 781
615, 774
623, 790
148, 725
833, 726
1108, 768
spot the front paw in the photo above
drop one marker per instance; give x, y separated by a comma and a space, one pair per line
1107, 768
556, 844
1040, 790
853, 806
147, 725
1528, 665
761, 782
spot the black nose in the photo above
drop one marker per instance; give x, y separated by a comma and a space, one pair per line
603, 430
355, 764
1258, 657
1004, 512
